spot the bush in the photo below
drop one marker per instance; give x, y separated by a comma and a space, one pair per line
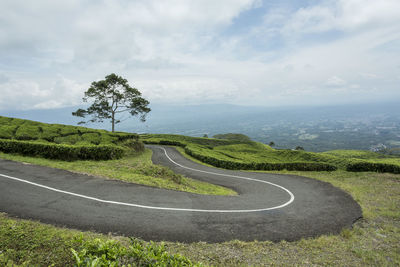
68, 130
234, 165
61, 152
49, 133
233, 136
27, 132
7, 132
124, 136
108, 139
112, 253
69, 139
93, 138
134, 144
5, 120
164, 142
373, 167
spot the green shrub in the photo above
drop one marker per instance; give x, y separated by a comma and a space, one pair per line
108, 139
124, 136
68, 130
93, 138
7, 131
27, 132
69, 139
112, 253
165, 143
49, 133
5, 120
15, 121
373, 167
134, 144
62, 152
185, 140
266, 166
233, 136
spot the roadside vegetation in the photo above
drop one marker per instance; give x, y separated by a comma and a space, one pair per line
373, 240
28, 243
249, 155
133, 163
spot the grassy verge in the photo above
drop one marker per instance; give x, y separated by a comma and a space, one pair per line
27, 243
373, 241
134, 168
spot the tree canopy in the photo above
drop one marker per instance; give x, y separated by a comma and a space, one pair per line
111, 97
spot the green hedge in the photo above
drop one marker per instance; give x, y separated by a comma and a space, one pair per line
164, 143
124, 136
93, 138
49, 133
68, 140
7, 131
373, 167
62, 152
27, 132
232, 165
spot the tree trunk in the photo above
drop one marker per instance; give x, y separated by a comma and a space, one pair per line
113, 120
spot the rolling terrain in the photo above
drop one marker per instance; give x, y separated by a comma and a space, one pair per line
372, 241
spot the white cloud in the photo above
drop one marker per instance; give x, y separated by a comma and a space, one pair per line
335, 81
22, 94
179, 51
345, 15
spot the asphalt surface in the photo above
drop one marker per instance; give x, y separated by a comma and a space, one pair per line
269, 206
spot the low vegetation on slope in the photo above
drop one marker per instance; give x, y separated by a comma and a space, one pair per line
250, 155
95, 152
56, 141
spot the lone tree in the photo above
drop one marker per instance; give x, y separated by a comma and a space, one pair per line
271, 144
110, 97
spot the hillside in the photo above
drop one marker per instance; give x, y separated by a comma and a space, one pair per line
239, 154
19, 129
101, 153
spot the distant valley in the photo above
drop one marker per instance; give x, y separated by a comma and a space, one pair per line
366, 127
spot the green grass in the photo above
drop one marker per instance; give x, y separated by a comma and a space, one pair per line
28, 243
373, 241
135, 168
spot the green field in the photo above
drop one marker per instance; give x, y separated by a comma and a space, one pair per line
243, 154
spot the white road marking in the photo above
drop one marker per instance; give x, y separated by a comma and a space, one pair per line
165, 208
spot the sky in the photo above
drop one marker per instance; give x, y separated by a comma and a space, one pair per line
243, 52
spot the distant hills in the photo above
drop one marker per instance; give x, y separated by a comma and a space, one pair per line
367, 126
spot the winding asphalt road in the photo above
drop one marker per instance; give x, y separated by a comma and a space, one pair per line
268, 207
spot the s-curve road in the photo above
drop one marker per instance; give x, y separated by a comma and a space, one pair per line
268, 207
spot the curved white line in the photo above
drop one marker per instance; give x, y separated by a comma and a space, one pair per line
239, 177
163, 208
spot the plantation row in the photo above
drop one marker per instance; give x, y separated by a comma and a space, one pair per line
265, 166
61, 152
11, 128
247, 155
373, 167
181, 140
63, 142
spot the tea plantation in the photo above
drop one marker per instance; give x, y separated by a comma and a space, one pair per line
250, 155
63, 142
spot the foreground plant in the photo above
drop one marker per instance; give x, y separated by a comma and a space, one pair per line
112, 253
